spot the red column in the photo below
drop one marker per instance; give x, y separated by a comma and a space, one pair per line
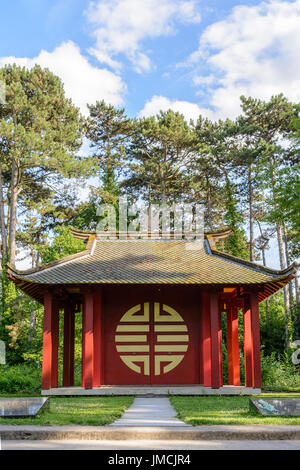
206, 340
248, 356
233, 346
72, 348
220, 347
215, 345
83, 344
47, 341
54, 374
68, 360
98, 349
256, 373
88, 340
229, 345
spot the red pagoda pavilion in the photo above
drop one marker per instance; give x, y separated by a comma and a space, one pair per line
151, 313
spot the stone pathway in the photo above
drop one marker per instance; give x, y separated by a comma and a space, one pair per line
150, 412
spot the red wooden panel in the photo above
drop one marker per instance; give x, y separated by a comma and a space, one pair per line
161, 345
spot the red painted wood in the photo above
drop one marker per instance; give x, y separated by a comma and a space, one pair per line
83, 345
47, 341
215, 346
220, 349
89, 340
98, 371
117, 300
206, 339
248, 356
229, 346
55, 342
235, 346
256, 374
68, 359
72, 347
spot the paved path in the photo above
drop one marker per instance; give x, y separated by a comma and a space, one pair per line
137, 445
150, 412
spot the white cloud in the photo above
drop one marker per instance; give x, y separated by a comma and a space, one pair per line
120, 26
188, 109
83, 82
254, 51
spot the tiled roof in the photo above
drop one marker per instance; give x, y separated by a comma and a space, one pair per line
150, 262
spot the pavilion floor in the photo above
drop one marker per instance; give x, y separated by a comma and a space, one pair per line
154, 390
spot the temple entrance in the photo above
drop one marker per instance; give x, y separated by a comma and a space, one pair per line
152, 342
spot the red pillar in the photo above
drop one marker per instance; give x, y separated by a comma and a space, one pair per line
256, 361
68, 360
98, 332
206, 340
54, 374
229, 346
47, 341
88, 340
83, 344
248, 353
72, 348
215, 345
233, 346
50, 342
220, 347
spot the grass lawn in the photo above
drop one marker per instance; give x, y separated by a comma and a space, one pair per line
95, 411
227, 410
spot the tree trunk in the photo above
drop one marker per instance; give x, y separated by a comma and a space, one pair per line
13, 213
288, 262
32, 323
2, 220
208, 198
251, 216
297, 289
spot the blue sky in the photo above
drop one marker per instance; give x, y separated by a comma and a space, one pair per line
194, 56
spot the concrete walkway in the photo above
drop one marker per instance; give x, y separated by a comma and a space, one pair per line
150, 412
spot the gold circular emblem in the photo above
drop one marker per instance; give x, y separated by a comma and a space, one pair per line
158, 345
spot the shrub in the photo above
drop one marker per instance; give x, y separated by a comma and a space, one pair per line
20, 379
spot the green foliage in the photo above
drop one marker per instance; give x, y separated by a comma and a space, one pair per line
236, 243
63, 244
279, 373
20, 378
